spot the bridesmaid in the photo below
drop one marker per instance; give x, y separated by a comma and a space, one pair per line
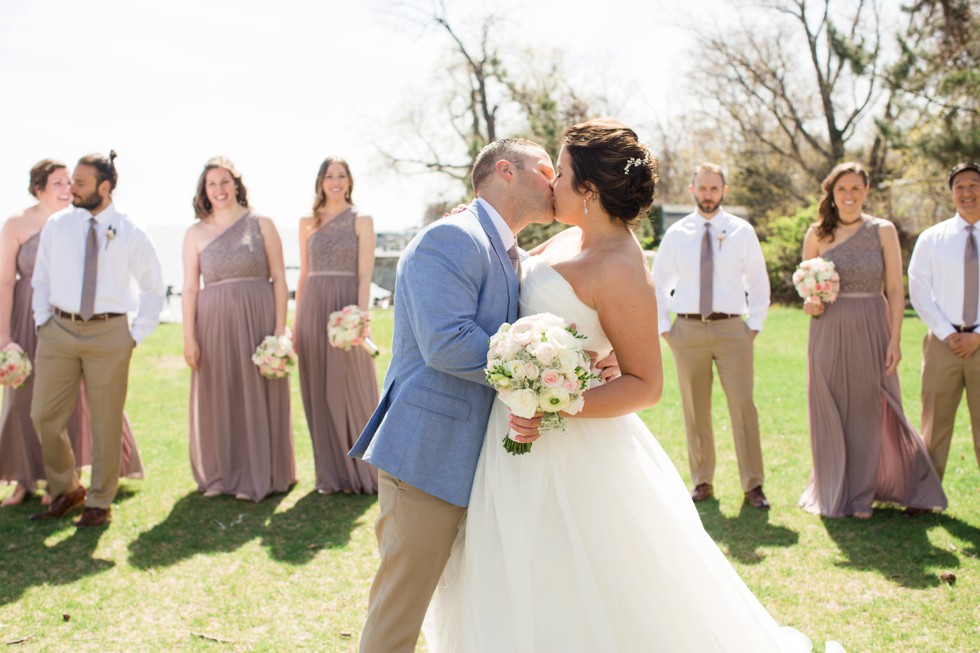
20, 449
241, 436
340, 389
864, 449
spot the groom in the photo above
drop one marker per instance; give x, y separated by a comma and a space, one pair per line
456, 284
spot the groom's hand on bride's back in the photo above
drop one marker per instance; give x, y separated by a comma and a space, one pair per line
525, 429
607, 368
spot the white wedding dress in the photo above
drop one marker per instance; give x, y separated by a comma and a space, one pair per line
590, 542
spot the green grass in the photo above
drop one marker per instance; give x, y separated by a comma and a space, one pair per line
177, 572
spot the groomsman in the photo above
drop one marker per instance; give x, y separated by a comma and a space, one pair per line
709, 270
91, 259
944, 285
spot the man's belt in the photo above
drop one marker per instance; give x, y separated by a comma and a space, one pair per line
75, 317
714, 317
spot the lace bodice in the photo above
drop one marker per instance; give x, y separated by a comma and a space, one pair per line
333, 246
26, 256
239, 252
859, 260
545, 291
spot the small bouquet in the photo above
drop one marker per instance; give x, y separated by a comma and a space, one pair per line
15, 366
538, 364
817, 277
351, 327
275, 356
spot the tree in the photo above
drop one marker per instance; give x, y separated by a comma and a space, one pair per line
486, 95
792, 96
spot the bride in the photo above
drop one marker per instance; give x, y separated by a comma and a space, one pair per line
590, 542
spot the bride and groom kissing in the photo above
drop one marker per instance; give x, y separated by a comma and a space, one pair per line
589, 542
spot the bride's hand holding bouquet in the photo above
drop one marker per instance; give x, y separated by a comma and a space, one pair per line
538, 366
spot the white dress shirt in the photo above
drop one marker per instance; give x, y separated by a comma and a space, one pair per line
506, 235
128, 279
740, 283
936, 275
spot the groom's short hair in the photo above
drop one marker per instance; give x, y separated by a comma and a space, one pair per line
514, 150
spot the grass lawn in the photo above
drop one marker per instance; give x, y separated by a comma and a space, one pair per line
177, 572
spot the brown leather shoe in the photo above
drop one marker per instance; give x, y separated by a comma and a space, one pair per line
93, 517
757, 499
702, 492
62, 505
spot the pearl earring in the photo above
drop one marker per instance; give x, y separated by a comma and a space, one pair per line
585, 206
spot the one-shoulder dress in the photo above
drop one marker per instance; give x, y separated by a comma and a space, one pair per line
864, 448
241, 436
339, 388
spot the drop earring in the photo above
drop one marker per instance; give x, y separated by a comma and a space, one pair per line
585, 206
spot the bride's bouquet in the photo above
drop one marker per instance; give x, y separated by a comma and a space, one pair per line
275, 356
351, 327
538, 364
15, 366
817, 277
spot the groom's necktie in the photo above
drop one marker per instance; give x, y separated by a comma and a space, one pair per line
707, 272
971, 279
515, 260
87, 306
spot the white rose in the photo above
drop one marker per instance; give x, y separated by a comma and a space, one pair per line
522, 403
516, 369
568, 359
561, 337
545, 352
531, 371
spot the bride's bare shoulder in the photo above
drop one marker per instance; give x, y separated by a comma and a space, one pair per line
561, 236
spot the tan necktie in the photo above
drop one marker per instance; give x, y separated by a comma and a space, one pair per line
515, 260
87, 306
971, 279
707, 272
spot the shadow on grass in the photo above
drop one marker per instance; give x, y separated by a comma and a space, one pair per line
28, 562
316, 522
746, 533
898, 547
201, 525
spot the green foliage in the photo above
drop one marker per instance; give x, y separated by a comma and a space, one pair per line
782, 246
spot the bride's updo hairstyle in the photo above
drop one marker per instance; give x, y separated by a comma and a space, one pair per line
609, 159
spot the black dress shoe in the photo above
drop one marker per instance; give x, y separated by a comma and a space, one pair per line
93, 517
62, 505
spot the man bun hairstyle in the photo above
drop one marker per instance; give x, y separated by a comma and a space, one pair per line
40, 173
608, 159
105, 168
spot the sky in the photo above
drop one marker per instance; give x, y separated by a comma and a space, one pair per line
276, 87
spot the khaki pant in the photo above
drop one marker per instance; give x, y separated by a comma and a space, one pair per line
415, 533
67, 351
944, 377
729, 344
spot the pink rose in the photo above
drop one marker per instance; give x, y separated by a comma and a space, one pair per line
551, 378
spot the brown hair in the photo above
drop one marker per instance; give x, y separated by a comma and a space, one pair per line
321, 198
708, 167
202, 205
514, 150
105, 168
40, 173
828, 216
608, 159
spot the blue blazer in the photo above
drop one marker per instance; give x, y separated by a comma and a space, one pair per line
454, 287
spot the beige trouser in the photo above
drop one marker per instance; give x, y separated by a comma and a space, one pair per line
944, 376
415, 533
67, 351
728, 343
